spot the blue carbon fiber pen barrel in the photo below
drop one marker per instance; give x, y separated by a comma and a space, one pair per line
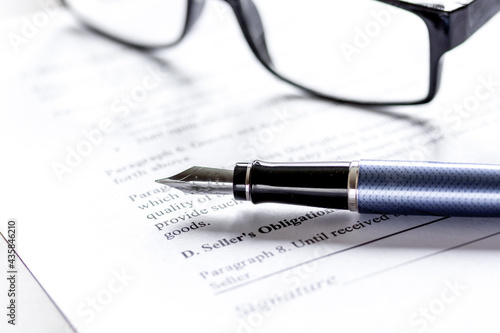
429, 188
393, 187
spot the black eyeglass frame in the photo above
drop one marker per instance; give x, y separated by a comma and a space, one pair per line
447, 29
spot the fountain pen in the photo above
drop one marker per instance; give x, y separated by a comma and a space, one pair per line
365, 186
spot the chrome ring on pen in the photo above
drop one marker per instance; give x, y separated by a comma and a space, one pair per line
248, 192
352, 186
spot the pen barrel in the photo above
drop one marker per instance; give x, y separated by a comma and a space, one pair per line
319, 185
428, 188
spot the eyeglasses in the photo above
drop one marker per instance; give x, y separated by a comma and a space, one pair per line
366, 52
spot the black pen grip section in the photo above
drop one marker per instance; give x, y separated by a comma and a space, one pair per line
320, 185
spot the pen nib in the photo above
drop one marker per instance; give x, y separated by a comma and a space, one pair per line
201, 180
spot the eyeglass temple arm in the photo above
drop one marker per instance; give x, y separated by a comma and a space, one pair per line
465, 21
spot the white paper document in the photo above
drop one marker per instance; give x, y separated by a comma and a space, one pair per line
87, 125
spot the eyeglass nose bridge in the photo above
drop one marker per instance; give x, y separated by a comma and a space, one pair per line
248, 18
250, 22
194, 10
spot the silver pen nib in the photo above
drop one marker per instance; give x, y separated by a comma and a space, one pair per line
201, 180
